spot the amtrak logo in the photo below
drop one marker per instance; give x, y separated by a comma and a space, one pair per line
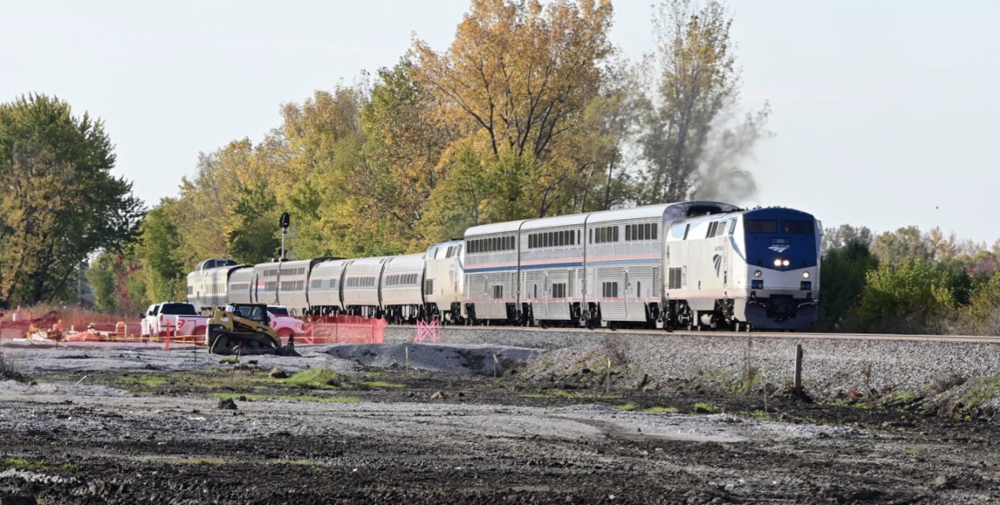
717, 259
779, 248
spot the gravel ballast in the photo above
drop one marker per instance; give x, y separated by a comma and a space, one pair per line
832, 367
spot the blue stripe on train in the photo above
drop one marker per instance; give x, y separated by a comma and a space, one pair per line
577, 264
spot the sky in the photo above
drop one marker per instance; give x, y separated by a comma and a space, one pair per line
885, 113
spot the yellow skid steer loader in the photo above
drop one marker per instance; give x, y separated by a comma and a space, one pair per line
244, 328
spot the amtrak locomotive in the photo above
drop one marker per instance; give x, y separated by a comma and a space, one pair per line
693, 265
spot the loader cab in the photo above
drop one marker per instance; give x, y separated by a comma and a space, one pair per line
253, 312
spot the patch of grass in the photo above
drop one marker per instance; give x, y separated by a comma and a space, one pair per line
314, 378
147, 380
383, 384
662, 410
23, 464
228, 360
758, 415
627, 406
705, 408
982, 390
750, 379
207, 460
298, 398
9, 370
569, 395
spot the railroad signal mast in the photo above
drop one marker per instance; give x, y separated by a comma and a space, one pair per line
285, 221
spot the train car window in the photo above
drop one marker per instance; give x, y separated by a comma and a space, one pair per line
687, 228
760, 226
562, 238
615, 233
628, 232
797, 227
653, 228
732, 226
638, 289
591, 235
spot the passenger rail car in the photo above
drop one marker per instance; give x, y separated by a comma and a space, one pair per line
444, 282
681, 265
208, 284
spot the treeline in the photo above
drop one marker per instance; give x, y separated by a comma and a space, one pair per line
908, 282
531, 111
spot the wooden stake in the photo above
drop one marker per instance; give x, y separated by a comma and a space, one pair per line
607, 380
798, 370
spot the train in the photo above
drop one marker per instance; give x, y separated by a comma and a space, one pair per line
688, 265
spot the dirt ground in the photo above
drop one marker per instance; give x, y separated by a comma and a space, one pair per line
394, 435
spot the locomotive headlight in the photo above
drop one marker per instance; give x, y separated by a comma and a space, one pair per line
785, 263
805, 275
757, 273
777, 262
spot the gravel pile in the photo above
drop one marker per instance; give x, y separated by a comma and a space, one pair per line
459, 359
833, 368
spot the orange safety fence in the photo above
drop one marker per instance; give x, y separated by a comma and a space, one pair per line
343, 329
317, 330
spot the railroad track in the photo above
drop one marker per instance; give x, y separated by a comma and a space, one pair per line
762, 334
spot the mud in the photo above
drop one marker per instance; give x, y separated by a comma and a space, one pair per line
399, 435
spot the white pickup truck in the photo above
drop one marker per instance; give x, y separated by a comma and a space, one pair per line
283, 323
181, 317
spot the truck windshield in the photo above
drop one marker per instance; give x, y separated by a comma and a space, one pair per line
278, 311
178, 309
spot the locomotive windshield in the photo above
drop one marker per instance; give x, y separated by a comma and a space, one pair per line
760, 226
797, 227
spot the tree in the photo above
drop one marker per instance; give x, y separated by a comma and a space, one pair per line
694, 140
895, 247
912, 296
844, 235
982, 315
60, 203
119, 287
516, 81
163, 265
404, 144
843, 277
254, 238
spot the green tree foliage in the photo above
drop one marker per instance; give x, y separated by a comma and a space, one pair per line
255, 236
982, 314
840, 237
905, 243
119, 286
162, 241
693, 141
842, 281
61, 203
912, 296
